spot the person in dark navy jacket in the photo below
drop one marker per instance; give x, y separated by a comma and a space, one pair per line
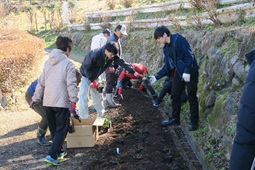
181, 64
243, 151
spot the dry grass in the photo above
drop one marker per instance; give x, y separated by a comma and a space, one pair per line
20, 56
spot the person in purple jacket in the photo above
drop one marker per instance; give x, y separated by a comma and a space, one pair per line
243, 152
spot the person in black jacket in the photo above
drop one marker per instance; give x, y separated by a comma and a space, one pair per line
111, 73
93, 65
181, 64
243, 152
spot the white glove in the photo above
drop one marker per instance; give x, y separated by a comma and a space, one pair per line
186, 77
152, 79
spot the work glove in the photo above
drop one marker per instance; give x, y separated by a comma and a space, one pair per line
95, 84
152, 79
141, 87
137, 75
73, 112
32, 104
111, 69
72, 108
120, 91
186, 77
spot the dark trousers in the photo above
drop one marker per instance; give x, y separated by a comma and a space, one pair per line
178, 87
150, 89
58, 119
242, 156
38, 108
111, 81
243, 151
126, 83
167, 88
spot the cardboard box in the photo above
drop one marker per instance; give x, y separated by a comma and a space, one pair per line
86, 133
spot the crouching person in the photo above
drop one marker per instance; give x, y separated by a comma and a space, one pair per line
38, 108
58, 87
142, 76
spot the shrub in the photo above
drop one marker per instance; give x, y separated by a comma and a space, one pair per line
127, 3
111, 4
20, 55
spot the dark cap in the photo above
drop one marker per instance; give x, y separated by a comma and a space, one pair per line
107, 31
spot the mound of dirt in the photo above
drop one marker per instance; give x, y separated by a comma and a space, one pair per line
137, 135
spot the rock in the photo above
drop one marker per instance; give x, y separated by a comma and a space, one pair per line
220, 39
236, 81
210, 100
239, 70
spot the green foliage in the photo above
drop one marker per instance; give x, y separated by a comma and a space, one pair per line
49, 37
78, 54
216, 119
230, 130
210, 28
71, 4
211, 146
107, 122
250, 21
230, 49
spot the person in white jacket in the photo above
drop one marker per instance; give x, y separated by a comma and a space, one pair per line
100, 39
58, 88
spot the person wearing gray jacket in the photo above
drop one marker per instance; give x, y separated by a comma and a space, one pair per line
58, 88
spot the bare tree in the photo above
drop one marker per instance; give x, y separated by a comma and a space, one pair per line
30, 14
7, 6
209, 6
44, 10
51, 14
59, 16
195, 19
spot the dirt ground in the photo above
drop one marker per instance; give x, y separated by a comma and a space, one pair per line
142, 142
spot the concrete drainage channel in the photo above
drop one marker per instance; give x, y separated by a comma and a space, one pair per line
185, 147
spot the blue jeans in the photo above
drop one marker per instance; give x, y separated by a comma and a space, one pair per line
97, 99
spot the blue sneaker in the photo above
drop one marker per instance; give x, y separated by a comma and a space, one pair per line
62, 155
51, 161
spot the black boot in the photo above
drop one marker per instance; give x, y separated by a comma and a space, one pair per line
170, 122
41, 140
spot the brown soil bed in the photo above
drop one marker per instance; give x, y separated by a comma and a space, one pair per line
143, 144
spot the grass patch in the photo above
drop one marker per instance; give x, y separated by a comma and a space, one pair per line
49, 37
230, 49
78, 54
